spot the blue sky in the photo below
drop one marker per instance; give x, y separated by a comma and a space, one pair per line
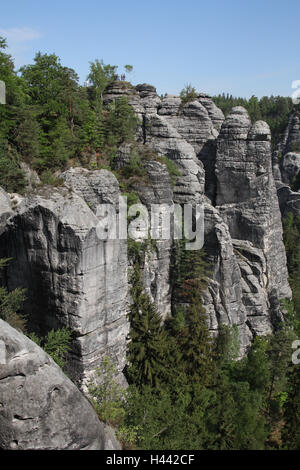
242, 47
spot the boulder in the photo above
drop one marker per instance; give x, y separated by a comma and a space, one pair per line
40, 408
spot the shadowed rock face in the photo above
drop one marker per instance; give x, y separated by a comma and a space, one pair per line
40, 408
72, 278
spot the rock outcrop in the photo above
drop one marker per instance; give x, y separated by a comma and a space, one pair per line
290, 141
286, 166
233, 171
75, 279
247, 201
72, 278
40, 408
290, 167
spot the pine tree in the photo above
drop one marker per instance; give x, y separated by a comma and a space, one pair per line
291, 430
145, 337
197, 345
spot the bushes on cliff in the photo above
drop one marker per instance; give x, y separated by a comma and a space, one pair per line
187, 94
12, 178
49, 119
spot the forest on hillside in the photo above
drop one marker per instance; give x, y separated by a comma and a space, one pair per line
186, 390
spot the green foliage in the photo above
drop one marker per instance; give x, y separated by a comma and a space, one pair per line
57, 345
187, 94
128, 68
51, 121
291, 429
12, 178
101, 76
145, 337
274, 110
107, 397
295, 183
227, 344
291, 238
10, 304
134, 167
47, 177
120, 122
173, 170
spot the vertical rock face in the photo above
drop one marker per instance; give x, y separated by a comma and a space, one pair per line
291, 138
40, 408
72, 278
286, 166
247, 201
286, 157
185, 133
156, 268
290, 166
224, 297
243, 233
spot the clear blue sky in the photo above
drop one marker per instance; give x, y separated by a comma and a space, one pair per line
243, 47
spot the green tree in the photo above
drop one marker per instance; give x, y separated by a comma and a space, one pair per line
101, 76
144, 353
57, 344
11, 302
188, 93
12, 178
291, 429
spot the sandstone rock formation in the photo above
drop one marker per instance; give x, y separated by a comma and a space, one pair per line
286, 165
72, 278
247, 201
290, 166
40, 408
75, 279
232, 170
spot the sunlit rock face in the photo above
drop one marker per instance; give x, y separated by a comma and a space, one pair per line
40, 408
233, 177
247, 201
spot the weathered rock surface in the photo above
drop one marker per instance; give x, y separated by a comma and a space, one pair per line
290, 141
31, 176
286, 166
72, 278
247, 201
224, 297
155, 189
290, 166
289, 201
243, 234
190, 131
40, 408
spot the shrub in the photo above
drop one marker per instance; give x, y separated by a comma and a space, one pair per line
188, 94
